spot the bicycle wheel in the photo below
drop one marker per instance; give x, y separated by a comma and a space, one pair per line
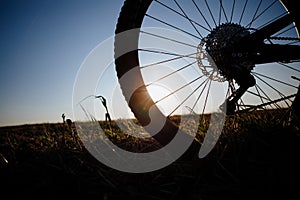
249, 48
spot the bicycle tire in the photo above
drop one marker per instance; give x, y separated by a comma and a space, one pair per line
131, 17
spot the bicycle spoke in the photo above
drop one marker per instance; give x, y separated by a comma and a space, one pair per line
283, 31
172, 26
191, 22
256, 17
253, 18
206, 97
221, 5
232, 11
209, 10
168, 53
220, 15
199, 96
177, 90
168, 39
267, 96
266, 23
202, 16
287, 66
257, 95
206, 81
175, 11
165, 61
269, 103
278, 22
273, 79
243, 11
174, 72
280, 94
261, 98
269, 85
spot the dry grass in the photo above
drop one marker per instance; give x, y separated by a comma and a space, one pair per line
256, 157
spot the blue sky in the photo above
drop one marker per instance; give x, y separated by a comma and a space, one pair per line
42, 45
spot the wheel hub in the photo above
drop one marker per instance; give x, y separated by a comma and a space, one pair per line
217, 56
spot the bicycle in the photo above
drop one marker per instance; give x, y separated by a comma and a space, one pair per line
251, 48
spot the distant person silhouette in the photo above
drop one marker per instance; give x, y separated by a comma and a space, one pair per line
64, 117
103, 100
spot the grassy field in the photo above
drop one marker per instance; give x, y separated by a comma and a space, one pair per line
257, 157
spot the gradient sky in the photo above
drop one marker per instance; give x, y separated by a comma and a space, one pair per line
42, 45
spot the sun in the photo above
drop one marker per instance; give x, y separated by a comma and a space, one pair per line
164, 98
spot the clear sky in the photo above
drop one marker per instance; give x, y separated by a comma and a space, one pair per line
42, 45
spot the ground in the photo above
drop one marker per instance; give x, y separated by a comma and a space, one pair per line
45, 161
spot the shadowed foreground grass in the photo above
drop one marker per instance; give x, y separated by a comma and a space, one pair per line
257, 157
